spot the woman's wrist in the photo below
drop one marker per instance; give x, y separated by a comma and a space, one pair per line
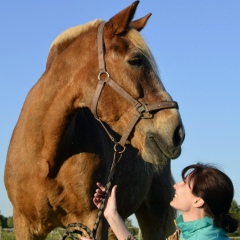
118, 226
111, 215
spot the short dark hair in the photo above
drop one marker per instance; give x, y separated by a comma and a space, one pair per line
217, 191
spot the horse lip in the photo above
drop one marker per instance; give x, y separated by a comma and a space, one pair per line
171, 153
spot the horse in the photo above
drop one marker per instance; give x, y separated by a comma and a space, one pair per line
99, 94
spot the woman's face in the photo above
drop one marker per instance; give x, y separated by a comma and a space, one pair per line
183, 199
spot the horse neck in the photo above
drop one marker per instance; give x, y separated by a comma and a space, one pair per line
45, 117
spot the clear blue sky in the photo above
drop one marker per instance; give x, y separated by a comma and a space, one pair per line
195, 43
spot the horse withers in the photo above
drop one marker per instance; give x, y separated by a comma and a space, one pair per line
64, 140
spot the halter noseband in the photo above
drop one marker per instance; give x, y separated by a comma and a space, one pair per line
141, 108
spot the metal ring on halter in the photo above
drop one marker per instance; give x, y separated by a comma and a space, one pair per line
102, 73
116, 150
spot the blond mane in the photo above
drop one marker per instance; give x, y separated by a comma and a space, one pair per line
74, 32
133, 35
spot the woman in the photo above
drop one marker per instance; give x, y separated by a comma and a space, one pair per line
203, 198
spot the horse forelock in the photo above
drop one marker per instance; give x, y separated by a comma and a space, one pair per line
135, 37
73, 32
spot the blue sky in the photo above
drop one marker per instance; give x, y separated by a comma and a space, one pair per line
195, 44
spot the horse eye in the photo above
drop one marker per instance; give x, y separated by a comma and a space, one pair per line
136, 61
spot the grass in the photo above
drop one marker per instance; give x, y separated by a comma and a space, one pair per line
7, 235
56, 234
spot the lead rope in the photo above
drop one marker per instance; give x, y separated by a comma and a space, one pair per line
71, 230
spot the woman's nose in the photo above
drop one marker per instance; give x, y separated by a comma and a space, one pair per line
176, 185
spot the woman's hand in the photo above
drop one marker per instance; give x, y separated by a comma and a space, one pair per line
110, 213
111, 203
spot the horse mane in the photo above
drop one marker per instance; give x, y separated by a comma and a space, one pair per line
72, 33
66, 38
63, 40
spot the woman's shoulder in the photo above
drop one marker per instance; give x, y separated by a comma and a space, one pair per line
175, 236
216, 238
212, 233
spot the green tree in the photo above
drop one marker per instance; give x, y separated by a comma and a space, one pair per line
132, 229
10, 222
3, 221
235, 208
235, 213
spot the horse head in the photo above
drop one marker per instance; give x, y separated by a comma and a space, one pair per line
129, 63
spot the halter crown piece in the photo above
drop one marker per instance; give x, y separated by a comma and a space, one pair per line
142, 111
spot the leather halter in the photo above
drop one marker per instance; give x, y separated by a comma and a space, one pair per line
104, 78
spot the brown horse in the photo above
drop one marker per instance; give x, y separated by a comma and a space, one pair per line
58, 150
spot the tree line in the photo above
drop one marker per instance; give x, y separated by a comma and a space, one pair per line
7, 222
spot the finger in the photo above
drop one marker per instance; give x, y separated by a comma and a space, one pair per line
101, 186
99, 191
97, 201
99, 195
113, 192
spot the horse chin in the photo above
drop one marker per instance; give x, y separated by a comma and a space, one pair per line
153, 153
157, 158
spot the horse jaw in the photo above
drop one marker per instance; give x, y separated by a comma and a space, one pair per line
160, 139
155, 153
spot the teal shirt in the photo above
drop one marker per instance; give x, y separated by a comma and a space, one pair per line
202, 229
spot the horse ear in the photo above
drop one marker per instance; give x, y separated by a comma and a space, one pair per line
140, 23
121, 21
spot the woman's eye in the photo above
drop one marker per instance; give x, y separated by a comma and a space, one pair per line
135, 61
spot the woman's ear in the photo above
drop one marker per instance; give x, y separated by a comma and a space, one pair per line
198, 202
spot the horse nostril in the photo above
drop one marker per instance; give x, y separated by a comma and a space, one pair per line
178, 136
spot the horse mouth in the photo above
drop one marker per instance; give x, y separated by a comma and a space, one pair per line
157, 152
